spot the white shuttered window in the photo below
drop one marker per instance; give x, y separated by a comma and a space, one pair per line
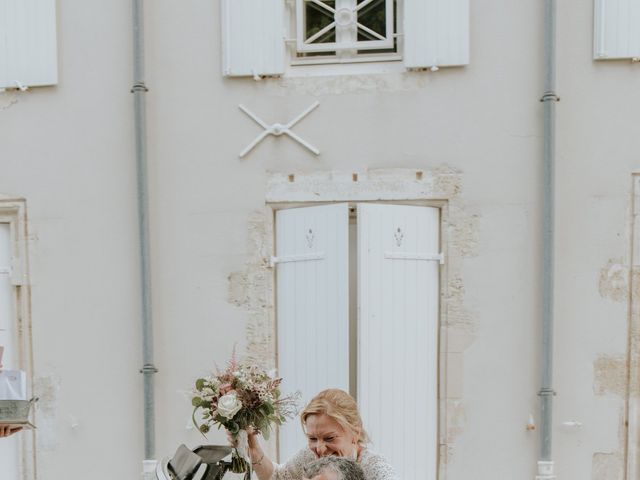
617, 29
257, 33
28, 51
436, 33
397, 249
252, 37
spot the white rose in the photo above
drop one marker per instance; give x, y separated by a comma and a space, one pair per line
229, 405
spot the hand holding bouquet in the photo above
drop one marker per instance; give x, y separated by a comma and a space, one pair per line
242, 397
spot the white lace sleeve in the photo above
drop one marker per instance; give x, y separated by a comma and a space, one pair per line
376, 467
292, 469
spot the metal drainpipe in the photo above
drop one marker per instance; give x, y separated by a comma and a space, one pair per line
549, 99
148, 370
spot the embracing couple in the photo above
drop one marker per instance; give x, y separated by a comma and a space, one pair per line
333, 427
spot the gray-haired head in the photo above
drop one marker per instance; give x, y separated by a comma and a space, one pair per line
343, 468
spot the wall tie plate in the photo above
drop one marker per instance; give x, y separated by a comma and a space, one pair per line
278, 129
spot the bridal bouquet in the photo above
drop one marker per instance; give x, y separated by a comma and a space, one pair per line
241, 397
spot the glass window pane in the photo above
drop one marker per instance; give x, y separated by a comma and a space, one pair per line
374, 17
317, 18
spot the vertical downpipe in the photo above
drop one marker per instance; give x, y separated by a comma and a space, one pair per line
148, 370
549, 99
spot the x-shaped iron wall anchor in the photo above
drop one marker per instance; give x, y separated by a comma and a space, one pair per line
278, 129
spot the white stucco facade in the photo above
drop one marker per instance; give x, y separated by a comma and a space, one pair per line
468, 139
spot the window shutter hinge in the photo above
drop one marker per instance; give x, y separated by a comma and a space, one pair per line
432, 257
273, 261
21, 86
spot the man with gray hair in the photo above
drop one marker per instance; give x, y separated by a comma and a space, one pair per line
333, 468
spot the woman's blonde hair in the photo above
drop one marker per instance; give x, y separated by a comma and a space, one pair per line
340, 406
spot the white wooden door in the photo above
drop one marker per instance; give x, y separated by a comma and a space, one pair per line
312, 306
398, 271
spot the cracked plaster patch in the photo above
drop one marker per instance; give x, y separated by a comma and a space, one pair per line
252, 290
607, 466
634, 334
635, 289
610, 375
376, 184
611, 465
463, 232
458, 316
446, 455
613, 281
8, 99
46, 388
348, 84
456, 420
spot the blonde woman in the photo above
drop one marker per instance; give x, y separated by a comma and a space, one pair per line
332, 425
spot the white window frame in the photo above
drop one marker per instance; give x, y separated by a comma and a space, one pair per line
13, 212
347, 50
259, 40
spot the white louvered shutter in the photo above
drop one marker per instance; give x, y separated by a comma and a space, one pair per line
312, 306
28, 50
617, 29
252, 37
398, 334
436, 33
